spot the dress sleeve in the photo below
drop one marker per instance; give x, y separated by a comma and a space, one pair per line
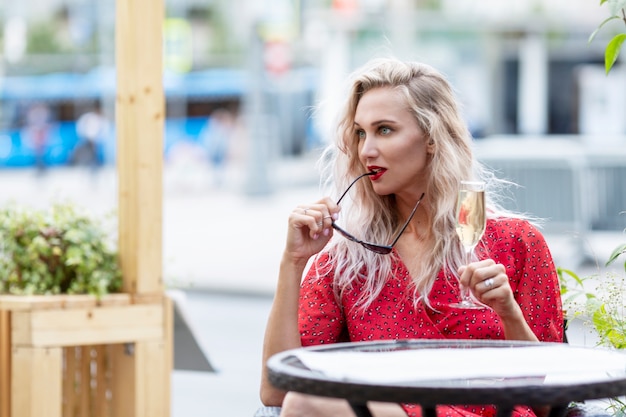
523, 250
320, 317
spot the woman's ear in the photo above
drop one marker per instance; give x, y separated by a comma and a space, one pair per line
431, 146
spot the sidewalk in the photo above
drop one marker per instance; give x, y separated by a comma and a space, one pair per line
230, 327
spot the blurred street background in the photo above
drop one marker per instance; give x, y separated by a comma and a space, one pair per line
244, 82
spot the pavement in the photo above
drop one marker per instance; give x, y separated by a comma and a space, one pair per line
222, 242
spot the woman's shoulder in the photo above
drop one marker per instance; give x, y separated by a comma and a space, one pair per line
511, 226
322, 263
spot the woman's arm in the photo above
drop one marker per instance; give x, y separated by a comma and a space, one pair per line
281, 332
536, 284
309, 230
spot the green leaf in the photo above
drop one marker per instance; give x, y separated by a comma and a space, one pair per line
616, 253
571, 274
612, 51
616, 339
604, 22
609, 327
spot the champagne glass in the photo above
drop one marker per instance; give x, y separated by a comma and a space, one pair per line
470, 226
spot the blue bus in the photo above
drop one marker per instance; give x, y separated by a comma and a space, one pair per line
59, 99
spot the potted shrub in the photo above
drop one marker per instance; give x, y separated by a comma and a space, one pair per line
60, 250
60, 321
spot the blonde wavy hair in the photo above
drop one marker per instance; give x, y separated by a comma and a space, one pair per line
373, 217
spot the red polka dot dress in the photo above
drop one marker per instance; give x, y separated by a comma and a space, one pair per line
515, 243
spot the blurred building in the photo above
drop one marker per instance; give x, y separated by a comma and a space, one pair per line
520, 67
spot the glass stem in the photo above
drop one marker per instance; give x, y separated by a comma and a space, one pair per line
465, 291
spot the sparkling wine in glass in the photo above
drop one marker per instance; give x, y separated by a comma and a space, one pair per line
470, 226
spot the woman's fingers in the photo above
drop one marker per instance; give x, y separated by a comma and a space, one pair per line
317, 217
489, 284
484, 276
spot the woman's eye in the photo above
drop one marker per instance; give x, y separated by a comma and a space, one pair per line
360, 134
385, 130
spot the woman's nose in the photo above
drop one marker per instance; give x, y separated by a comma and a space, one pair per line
368, 148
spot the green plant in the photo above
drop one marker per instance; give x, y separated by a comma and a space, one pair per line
56, 251
603, 308
617, 10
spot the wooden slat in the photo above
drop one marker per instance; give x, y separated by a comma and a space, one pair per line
123, 381
140, 111
84, 381
101, 404
36, 389
69, 382
5, 363
29, 302
74, 327
48, 302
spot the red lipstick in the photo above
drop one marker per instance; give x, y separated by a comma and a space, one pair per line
376, 172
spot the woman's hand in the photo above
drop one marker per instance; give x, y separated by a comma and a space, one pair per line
489, 283
310, 228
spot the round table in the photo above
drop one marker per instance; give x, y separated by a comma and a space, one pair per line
504, 390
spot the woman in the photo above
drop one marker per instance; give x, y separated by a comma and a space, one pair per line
402, 128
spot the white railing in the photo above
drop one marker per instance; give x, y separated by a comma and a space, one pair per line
574, 186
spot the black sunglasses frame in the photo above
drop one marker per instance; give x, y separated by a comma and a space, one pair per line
376, 248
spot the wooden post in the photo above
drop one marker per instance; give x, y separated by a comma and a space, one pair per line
139, 120
141, 371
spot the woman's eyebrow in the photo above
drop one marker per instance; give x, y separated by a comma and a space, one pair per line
378, 122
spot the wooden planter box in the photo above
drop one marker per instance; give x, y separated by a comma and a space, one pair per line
75, 356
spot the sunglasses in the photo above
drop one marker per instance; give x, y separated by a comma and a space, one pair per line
380, 249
